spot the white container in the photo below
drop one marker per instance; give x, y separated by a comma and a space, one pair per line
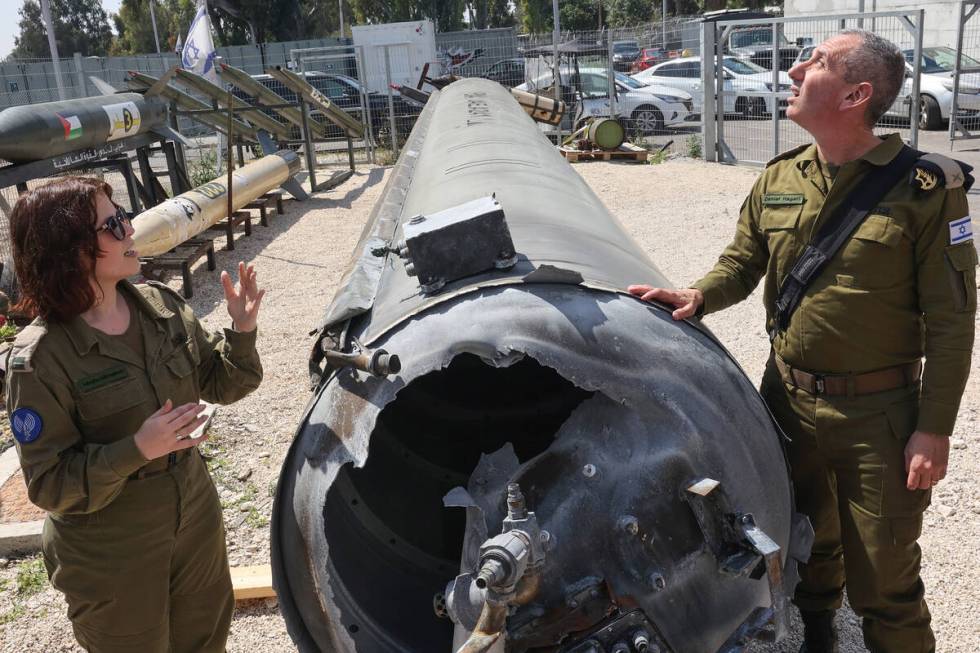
410, 46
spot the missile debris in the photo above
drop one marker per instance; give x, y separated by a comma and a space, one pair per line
244, 81
40, 131
527, 476
220, 95
320, 102
180, 218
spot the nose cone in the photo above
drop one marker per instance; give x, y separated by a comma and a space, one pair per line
23, 134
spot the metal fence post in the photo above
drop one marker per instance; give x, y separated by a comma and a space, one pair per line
365, 105
777, 31
709, 150
611, 79
916, 74
391, 104
80, 75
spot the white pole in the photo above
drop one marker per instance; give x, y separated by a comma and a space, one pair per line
663, 26
556, 72
53, 46
340, 3
153, 19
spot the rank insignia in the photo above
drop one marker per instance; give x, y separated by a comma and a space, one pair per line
924, 179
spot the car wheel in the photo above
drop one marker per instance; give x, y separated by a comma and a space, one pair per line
756, 107
647, 120
930, 117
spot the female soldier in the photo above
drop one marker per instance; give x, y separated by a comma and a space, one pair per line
103, 390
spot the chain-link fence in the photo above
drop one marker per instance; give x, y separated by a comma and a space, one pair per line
956, 99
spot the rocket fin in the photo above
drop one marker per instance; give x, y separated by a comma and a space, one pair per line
161, 83
265, 140
105, 88
171, 134
293, 188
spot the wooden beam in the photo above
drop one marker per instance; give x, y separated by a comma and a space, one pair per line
252, 582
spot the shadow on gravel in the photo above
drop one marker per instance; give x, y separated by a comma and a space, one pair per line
374, 176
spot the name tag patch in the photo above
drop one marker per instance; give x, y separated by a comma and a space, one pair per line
782, 199
960, 231
26, 425
103, 378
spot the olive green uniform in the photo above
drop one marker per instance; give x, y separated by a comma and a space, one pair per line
136, 546
900, 288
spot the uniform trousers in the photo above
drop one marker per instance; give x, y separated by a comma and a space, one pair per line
847, 461
149, 572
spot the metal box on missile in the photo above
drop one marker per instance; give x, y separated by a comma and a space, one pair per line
458, 242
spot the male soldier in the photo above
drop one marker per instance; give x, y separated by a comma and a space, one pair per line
867, 440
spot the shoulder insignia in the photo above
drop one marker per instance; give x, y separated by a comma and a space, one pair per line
934, 171
788, 154
155, 292
22, 352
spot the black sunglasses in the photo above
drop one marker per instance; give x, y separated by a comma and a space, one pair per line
116, 224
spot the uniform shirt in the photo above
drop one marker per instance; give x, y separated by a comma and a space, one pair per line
900, 288
79, 396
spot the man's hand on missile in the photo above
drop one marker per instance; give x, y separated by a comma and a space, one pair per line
686, 301
244, 298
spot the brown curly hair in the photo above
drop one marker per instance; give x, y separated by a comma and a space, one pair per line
55, 246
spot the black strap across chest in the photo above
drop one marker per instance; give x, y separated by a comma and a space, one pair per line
836, 230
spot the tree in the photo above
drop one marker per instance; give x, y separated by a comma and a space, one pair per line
499, 14
575, 15
79, 26
626, 13
446, 14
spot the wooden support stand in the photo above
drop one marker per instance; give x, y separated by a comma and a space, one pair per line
626, 151
278, 198
261, 204
228, 225
181, 258
252, 582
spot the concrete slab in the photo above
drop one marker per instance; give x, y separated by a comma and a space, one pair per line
20, 538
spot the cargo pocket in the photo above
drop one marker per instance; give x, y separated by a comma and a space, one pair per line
961, 267
905, 530
780, 225
102, 410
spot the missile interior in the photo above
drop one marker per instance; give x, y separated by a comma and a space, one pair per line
504, 450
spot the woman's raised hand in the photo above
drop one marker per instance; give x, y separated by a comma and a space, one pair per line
244, 298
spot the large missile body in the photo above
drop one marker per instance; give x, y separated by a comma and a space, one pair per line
170, 223
556, 464
40, 131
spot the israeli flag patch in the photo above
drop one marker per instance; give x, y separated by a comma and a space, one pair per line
960, 231
26, 425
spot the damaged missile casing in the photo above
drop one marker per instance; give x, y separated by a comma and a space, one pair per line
180, 218
40, 131
545, 376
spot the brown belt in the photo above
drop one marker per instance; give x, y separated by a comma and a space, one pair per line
889, 378
162, 465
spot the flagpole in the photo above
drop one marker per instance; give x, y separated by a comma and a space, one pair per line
153, 19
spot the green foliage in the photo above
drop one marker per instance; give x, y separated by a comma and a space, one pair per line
79, 26
694, 146
627, 13
446, 14
256, 519
8, 330
31, 577
658, 157
489, 13
13, 614
204, 169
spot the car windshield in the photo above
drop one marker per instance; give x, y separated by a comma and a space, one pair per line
742, 67
627, 81
749, 37
940, 60
626, 46
350, 81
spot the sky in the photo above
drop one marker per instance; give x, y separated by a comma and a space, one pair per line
10, 22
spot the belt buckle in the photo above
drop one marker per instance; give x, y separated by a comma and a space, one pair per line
818, 385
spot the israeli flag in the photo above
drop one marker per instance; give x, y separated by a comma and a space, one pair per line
960, 231
198, 53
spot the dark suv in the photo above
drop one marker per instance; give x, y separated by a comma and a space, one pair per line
509, 72
345, 92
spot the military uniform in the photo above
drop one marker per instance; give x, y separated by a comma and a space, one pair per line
901, 288
136, 546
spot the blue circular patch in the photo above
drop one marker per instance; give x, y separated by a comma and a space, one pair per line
26, 425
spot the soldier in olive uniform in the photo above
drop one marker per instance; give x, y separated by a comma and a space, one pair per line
103, 389
868, 424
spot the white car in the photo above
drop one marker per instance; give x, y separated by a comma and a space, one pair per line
645, 108
936, 88
741, 76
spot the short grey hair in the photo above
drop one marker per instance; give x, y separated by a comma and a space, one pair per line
879, 62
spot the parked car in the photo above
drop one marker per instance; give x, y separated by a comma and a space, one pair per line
648, 57
345, 92
936, 88
644, 108
509, 72
624, 54
740, 77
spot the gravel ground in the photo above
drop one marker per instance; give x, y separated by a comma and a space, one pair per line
683, 213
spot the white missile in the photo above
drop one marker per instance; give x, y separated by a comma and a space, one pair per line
180, 218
